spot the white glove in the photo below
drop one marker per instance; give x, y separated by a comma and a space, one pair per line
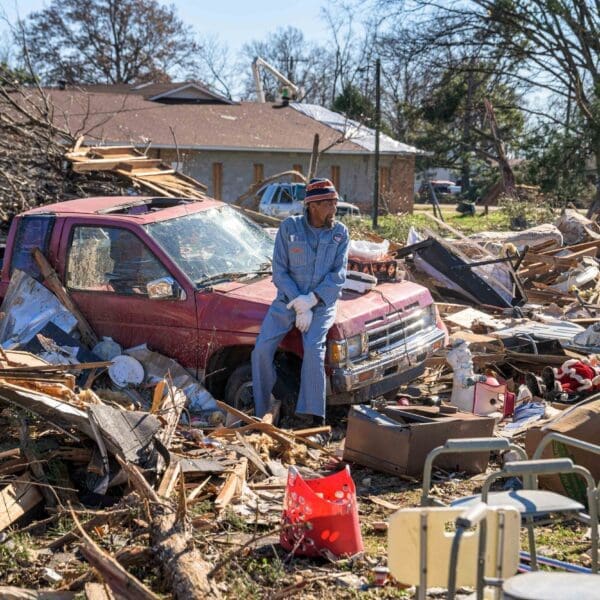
303, 320
303, 303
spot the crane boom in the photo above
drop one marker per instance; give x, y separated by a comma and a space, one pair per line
260, 93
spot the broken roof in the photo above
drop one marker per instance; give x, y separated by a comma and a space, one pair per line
160, 114
353, 130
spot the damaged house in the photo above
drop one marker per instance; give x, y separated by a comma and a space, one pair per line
232, 145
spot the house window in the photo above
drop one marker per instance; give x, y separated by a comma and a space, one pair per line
384, 180
259, 172
297, 168
217, 180
335, 176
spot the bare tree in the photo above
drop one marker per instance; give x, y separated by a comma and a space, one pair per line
216, 66
108, 41
552, 47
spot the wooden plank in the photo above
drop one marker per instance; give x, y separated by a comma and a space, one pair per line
170, 413
232, 488
9, 592
101, 164
155, 173
251, 454
169, 479
574, 247
98, 591
53, 282
17, 499
146, 163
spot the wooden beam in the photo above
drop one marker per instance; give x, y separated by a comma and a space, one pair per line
53, 282
17, 499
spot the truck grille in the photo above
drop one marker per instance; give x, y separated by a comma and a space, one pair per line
390, 331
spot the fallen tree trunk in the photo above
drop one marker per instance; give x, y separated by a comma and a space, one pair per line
183, 567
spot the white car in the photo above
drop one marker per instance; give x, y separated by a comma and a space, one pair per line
282, 200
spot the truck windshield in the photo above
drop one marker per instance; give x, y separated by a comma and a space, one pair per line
213, 243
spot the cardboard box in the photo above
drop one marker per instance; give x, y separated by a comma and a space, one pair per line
580, 421
398, 439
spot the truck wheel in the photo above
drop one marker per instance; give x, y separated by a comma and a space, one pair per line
238, 391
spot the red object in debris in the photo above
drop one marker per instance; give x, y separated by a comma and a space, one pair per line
321, 515
509, 405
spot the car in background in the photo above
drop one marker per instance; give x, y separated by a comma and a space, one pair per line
282, 200
441, 187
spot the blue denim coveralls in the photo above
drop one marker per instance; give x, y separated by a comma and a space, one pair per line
305, 259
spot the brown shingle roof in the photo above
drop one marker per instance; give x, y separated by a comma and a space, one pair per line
123, 119
126, 118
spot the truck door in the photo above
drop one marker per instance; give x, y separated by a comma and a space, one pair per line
107, 268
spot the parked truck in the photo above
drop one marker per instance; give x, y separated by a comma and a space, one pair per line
192, 279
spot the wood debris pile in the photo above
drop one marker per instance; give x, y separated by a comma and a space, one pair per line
137, 490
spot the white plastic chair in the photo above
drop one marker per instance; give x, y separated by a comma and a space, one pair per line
421, 546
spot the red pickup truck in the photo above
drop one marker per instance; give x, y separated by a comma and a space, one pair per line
192, 280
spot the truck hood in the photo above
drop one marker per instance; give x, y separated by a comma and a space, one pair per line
247, 303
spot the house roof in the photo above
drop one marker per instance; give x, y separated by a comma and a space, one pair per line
355, 131
173, 90
114, 115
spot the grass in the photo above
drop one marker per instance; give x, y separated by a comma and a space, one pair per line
396, 227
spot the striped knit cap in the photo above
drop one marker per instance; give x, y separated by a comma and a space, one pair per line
320, 189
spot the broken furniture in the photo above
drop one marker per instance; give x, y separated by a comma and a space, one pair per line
440, 260
420, 546
398, 439
532, 503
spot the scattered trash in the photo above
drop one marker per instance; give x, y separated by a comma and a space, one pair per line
126, 370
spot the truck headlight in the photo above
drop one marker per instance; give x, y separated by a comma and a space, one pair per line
343, 350
357, 345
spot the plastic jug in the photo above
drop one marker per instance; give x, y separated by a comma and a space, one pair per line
321, 515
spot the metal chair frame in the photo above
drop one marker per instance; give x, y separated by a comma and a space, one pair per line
530, 499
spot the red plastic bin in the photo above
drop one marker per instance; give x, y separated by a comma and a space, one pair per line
320, 516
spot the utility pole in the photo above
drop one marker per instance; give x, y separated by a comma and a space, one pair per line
377, 128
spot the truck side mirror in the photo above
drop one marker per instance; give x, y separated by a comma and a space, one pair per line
164, 288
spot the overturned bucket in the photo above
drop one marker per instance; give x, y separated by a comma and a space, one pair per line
320, 516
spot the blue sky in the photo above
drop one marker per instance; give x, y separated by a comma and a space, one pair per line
233, 21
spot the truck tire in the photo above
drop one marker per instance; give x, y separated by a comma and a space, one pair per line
238, 390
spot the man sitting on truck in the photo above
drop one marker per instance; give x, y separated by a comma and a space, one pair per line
309, 269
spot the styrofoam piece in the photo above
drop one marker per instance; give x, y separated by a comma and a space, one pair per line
126, 370
359, 282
